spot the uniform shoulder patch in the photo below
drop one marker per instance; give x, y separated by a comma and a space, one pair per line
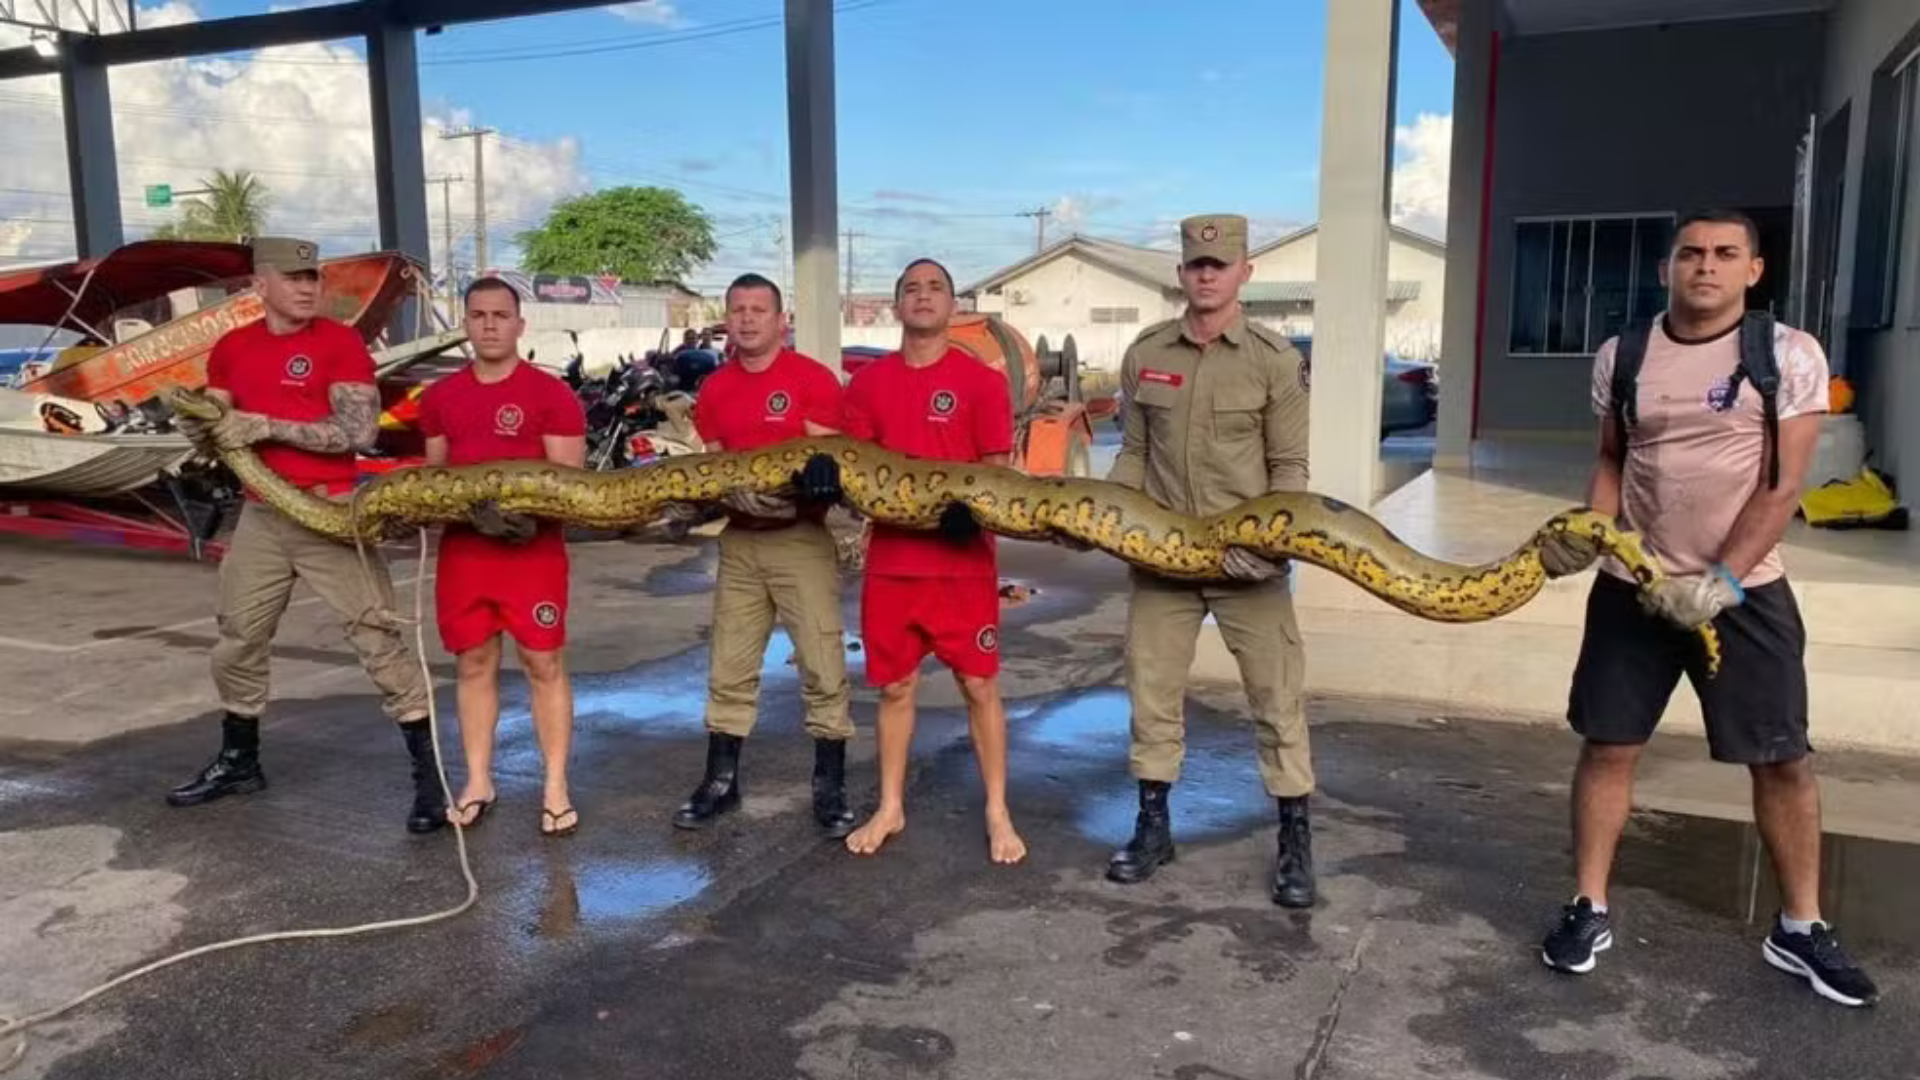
1269, 335
1156, 330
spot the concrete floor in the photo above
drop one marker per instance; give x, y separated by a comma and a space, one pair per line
756, 950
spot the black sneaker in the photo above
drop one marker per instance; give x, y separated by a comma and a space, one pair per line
1818, 958
1581, 933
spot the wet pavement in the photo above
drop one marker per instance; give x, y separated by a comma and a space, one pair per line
757, 950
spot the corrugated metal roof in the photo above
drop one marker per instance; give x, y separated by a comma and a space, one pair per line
1301, 292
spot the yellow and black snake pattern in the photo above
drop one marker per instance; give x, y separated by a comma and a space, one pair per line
911, 493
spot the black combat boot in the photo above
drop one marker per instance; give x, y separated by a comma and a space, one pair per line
235, 772
719, 791
429, 802
830, 787
1152, 843
1293, 872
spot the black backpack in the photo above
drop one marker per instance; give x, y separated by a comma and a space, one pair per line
1757, 365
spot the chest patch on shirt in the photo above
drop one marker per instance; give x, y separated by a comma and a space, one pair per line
778, 403
508, 419
1164, 378
299, 367
1722, 395
943, 402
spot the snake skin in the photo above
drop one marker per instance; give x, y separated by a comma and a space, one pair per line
911, 493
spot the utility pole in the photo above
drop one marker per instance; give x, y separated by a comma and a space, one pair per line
1039, 217
780, 246
446, 221
478, 135
848, 289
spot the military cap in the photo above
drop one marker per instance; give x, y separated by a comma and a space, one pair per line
285, 254
1213, 236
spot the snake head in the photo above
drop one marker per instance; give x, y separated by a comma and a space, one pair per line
195, 403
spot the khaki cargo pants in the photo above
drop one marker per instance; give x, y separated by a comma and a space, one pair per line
1257, 622
792, 575
268, 553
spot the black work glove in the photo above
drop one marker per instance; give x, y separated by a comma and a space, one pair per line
488, 519
818, 481
957, 524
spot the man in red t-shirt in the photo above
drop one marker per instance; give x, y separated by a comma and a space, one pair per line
777, 559
502, 408
302, 388
934, 593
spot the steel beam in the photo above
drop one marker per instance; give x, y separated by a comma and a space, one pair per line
93, 174
297, 27
814, 180
399, 162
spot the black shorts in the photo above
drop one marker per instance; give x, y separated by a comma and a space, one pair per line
1755, 708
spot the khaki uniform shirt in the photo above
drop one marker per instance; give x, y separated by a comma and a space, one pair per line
1208, 427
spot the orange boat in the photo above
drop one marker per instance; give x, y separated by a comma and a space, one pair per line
189, 293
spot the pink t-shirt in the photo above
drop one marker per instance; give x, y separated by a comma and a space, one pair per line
1695, 457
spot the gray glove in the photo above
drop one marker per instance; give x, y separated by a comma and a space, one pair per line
488, 519
1563, 553
1694, 600
1243, 565
756, 504
677, 518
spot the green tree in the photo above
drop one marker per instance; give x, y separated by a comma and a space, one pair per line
234, 209
641, 234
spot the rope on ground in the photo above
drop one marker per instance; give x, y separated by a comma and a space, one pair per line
17, 1029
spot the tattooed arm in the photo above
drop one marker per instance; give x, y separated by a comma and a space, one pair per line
354, 425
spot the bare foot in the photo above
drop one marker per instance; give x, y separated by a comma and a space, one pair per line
867, 839
1004, 844
473, 802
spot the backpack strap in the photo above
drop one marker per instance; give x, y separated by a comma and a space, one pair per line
1761, 368
1629, 351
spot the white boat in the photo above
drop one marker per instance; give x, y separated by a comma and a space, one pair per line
89, 466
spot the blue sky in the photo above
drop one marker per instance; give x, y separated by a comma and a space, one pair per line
952, 117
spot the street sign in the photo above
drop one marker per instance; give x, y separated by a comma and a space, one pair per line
159, 195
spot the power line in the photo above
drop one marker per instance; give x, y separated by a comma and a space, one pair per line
1039, 217
479, 136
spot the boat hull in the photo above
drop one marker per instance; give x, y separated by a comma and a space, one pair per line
85, 466
362, 291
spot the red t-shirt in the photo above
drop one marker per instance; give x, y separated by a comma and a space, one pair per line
746, 410
289, 377
501, 421
954, 409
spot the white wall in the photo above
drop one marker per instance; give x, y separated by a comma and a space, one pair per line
1413, 326
1884, 365
1062, 291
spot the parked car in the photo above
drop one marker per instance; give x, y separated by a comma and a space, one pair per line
1409, 390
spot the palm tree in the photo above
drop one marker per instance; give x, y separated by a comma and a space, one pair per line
234, 208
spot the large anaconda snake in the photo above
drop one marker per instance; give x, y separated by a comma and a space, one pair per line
911, 493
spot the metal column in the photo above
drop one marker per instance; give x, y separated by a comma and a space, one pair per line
93, 174
814, 180
1470, 175
1350, 289
399, 161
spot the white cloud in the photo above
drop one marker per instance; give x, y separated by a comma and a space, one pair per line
1420, 176
651, 13
296, 116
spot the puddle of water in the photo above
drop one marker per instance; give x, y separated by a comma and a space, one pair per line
676, 691
1095, 717
1869, 888
1217, 795
625, 891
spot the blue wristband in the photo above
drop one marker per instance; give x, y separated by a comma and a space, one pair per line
1726, 575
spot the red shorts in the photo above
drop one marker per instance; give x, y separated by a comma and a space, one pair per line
484, 586
957, 619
